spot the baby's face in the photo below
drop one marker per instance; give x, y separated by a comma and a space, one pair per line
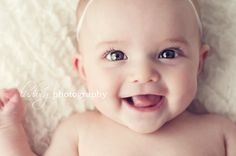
145, 55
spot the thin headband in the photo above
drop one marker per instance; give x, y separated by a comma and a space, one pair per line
90, 2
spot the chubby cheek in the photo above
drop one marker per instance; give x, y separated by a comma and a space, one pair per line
108, 82
103, 80
182, 86
188, 81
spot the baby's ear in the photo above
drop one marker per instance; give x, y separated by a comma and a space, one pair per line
79, 67
202, 56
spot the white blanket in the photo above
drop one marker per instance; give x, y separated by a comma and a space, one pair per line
37, 43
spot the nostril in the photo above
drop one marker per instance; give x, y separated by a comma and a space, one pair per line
147, 79
144, 77
155, 78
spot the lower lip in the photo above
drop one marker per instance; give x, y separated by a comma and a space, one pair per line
148, 109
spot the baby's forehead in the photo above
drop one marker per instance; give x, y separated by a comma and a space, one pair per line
102, 13
102, 9
119, 6
146, 4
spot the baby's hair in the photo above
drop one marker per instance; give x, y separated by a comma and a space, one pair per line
84, 4
80, 8
79, 11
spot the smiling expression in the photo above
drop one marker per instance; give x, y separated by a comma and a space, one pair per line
145, 55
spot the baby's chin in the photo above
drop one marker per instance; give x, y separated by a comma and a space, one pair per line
144, 128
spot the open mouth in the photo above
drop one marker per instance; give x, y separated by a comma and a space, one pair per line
144, 102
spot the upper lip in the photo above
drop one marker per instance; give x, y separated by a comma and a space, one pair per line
130, 90
143, 92
123, 97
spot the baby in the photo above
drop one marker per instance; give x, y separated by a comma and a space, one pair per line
146, 55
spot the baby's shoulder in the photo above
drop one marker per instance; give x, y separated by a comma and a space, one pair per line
82, 120
227, 128
208, 119
212, 128
213, 121
83, 116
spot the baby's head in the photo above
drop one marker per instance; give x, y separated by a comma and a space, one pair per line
146, 55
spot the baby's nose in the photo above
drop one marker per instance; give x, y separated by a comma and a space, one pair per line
143, 73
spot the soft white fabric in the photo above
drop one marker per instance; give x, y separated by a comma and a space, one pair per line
37, 42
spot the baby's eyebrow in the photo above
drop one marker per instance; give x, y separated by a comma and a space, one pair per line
111, 42
181, 40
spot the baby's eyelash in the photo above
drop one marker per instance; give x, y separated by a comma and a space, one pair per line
114, 55
169, 53
108, 51
179, 50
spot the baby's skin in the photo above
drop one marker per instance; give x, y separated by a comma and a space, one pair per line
146, 55
90, 133
13, 140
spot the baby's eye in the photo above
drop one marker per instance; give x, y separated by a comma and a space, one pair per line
116, 55
168, 54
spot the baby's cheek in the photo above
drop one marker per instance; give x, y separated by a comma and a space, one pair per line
99, 82
188, 85
183, 84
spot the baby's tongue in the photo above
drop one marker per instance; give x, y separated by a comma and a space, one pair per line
145, 100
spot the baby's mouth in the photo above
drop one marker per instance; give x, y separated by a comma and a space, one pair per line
144, 101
